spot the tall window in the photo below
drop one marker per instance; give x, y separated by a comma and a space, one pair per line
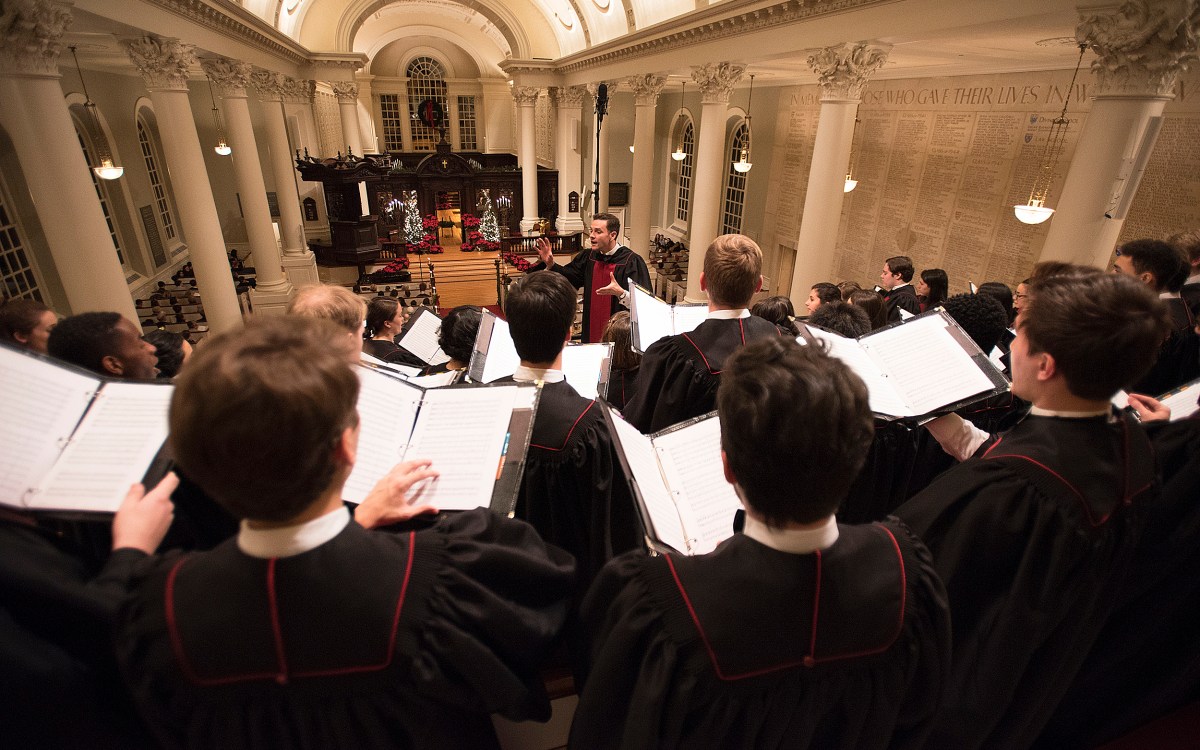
102, 196
467, 134
735, 182
425, 81
162, 202
683, 201
389, 106
17, 276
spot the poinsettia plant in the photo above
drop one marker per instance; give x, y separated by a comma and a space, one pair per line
516, 261
473, 238
428, 244
395, 266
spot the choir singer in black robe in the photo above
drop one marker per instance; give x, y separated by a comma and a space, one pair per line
307, 630
604, 273
1035, 533
679, 375
799, 632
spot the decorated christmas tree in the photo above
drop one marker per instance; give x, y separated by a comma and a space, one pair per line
488, 225
413, 231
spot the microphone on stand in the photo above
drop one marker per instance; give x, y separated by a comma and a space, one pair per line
601, 111
601, 101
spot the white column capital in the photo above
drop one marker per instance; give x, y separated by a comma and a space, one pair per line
345, 91
299, 92
231, 77
1141, 45
716, 81
568, 97
593, 89
271, 86
31, 36
525, 96
646, 88
163, 63
842, 71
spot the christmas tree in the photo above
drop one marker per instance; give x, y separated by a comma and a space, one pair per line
488, 226
413, 231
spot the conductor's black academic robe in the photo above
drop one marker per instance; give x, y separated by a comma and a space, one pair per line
623, 264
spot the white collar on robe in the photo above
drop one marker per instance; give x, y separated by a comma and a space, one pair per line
793, 541
287, 541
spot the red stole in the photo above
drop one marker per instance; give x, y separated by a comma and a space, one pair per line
599, 307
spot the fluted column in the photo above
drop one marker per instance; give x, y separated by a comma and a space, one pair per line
347, 96
842, 72
567, 158
164, 65
1141, 48
36, 118
231, 78
602, 153
716, 81
646, 89
298, 261
526, 98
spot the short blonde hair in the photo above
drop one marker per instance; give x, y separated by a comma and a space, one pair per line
330, 302
732, 269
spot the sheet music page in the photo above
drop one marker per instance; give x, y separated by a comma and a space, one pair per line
111, 449
583, 365
405, 370
464, 432
1183, 403
387, 409
997, 358
905, 314
437, 380
652, 318
884, 399
1120, 399
422, 338
502, 359
687, 318
691, 461
656, 497
926, 365
40, 404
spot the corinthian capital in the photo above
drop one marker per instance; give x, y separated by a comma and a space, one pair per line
646, 88
231, 77
30, 31
1142, 45
299, 92
716, 81
525, 96
345, 91
842, 71
163, 63
568, 97
270, 86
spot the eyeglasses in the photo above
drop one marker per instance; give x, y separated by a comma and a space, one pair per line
1018, 295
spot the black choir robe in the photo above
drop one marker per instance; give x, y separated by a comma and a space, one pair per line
371, 640
391, 352
750, 647
58, 678
901, 298
1032, 537
1178, 359
627, 267
882, 484
573, 490
621, 386
679, 375
1146, 662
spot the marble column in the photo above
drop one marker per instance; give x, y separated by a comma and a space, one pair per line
298, 261
406, 140
716, 81
1134, 83
646, 89
452, 117
526, 98
231, 78
347, 96
36, 118
164, 65
602, 153
568, 157
842, 72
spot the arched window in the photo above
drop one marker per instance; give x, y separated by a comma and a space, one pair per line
102, 187
18, 275
735, 182
683, 198
426, 80
163, 203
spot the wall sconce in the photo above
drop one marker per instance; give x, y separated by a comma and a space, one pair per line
851, 183
678, 154
107, 169
222, 148
1034, 211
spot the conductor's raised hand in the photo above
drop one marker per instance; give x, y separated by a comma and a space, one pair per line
393, 498
144, 517
544, 251
612, 289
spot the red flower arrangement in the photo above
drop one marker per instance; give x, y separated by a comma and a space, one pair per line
517, 262
429, 242
396, 266
473, 238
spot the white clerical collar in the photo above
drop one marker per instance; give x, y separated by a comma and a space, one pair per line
1040, 412
533, 374
287, 541
740, 312
793, 541
612, 252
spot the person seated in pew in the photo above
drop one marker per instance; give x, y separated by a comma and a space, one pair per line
26, 323
573, 490
456, 337
1034, 533
308, 629
104, 343
626, 363
680, 374
798, 632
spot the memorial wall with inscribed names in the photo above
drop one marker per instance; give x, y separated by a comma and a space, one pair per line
941, 161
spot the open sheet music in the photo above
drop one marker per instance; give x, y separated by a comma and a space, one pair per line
1182, 400
685, 502
494, 356
917, 368
422, 338
72, 441
653, 319
472, 435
